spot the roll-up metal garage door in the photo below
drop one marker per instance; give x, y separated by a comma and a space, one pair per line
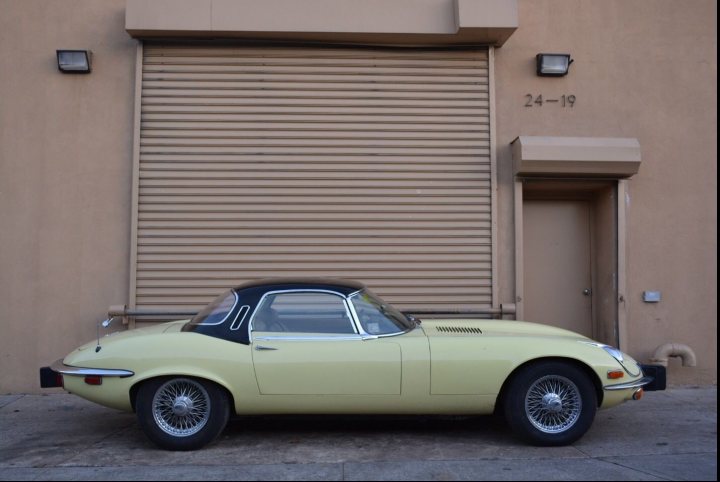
367, 164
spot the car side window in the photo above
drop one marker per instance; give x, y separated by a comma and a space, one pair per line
308, 312
376, 317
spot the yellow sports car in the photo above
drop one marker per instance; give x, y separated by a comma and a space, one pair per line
330, 346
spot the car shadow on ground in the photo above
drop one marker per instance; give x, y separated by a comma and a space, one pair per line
335, 438
368, 424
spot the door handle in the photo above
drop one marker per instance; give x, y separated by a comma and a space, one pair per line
264, 348
587, 292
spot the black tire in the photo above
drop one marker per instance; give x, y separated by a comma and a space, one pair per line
182, 413
550, 403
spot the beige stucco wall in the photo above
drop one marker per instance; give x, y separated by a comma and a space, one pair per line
65, 173
642, 69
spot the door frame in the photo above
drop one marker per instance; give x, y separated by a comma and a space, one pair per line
620, 189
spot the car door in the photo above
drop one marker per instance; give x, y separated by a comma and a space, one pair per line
306, 343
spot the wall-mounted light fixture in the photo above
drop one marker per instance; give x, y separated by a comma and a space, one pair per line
74, 61
553, 65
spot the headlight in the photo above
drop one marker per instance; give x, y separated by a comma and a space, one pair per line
614, 352
617, 355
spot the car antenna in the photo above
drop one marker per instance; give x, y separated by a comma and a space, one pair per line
105, 324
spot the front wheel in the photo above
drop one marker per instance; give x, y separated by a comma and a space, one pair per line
550, 403
182, 413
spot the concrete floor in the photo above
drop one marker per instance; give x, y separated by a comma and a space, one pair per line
670, 435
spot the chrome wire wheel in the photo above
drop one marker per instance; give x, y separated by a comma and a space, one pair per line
181, 407
553, 404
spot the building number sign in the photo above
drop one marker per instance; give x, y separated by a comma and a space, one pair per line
538, 101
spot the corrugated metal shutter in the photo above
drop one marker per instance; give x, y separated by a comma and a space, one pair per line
366, 164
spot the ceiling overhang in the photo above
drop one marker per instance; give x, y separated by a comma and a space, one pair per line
386, 22
607, 157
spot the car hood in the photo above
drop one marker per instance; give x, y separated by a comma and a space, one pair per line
484, 328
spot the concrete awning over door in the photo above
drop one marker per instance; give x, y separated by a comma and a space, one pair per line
608, 157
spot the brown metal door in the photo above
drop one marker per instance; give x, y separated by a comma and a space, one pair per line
557, 264
372, 164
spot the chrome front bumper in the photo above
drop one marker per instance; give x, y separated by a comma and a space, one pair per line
634, 384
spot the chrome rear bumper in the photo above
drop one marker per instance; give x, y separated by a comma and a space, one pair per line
63, 369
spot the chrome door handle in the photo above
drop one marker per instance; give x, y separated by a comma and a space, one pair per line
261, 348
587, 292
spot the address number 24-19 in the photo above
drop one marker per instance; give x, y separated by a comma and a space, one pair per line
538, 101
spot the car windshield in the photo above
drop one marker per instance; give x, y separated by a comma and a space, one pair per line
217, 311
378, 317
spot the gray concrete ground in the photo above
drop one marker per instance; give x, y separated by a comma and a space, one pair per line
669, 435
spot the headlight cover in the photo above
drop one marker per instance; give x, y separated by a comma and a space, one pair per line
617, 355
614, 352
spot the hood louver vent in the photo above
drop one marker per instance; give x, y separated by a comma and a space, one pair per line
459, 329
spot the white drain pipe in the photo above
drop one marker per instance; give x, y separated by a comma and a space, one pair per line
663, 352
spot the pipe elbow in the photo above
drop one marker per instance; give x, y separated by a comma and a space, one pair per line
664, 352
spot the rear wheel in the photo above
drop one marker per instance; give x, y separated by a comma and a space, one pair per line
550, 403
182, 413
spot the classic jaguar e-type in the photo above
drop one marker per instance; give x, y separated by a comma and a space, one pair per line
328, 346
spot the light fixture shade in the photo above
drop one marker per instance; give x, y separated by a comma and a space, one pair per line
553, 65
73, 61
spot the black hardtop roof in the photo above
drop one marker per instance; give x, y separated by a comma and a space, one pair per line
344, 287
